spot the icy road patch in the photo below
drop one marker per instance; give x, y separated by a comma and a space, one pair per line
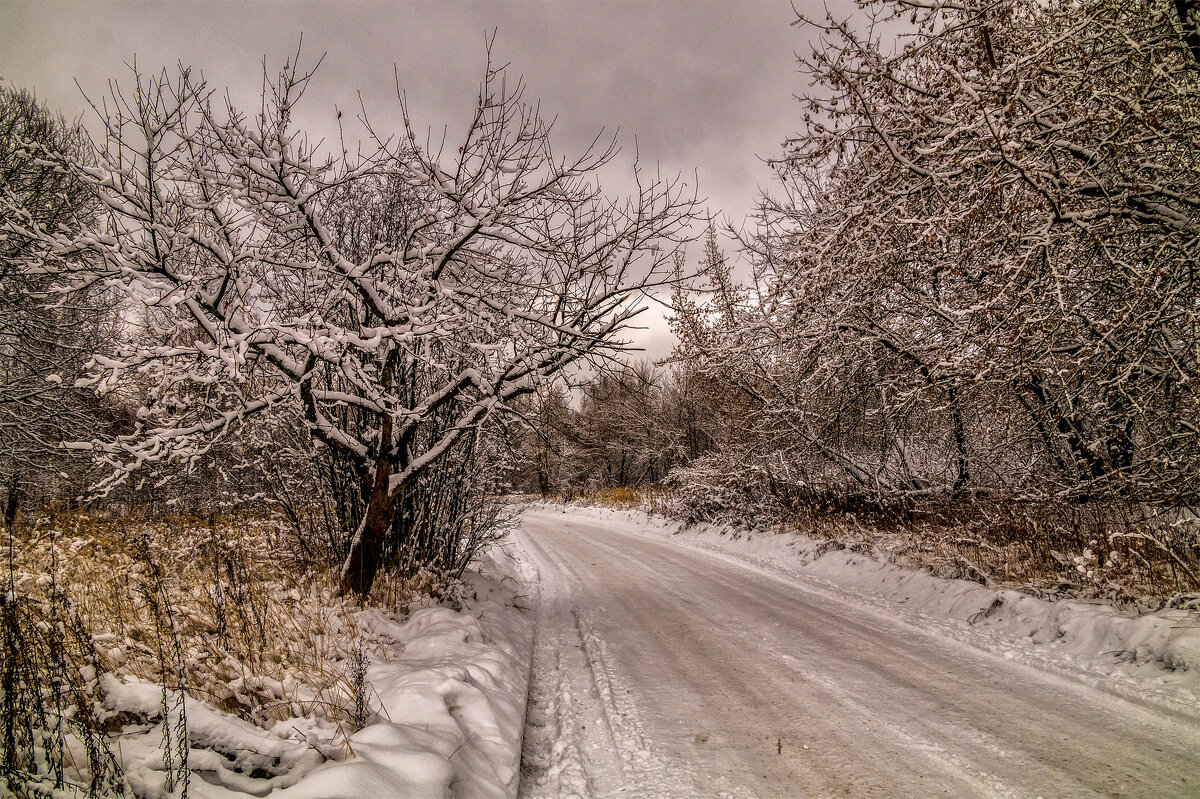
664, 669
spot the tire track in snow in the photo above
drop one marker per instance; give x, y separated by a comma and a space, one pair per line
561, 757
583, 738
982, 784
974, 753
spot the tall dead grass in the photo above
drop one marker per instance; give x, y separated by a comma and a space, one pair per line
256, 637
209, 609
1086, 550
49, 695
647, 498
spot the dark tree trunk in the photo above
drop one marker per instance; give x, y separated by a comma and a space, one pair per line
1069, 429
1189, 21
366, 549
960, 443
13, 503
1118, 442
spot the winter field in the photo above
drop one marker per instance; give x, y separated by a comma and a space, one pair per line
600, 652
217, 675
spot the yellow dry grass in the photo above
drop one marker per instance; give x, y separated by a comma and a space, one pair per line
214, 605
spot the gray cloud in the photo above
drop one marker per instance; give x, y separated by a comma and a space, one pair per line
705, 87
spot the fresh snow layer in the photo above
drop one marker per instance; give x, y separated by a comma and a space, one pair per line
674, 662
1147, 657
448, 702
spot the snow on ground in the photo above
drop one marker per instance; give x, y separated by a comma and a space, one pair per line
447, 692
1149, 658
448, 689
696, 664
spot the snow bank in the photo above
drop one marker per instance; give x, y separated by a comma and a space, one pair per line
448, 700
1152, 658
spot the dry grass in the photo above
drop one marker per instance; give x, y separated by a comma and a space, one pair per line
214, 610
1106, 549
1054, 550
214, 600
648, 498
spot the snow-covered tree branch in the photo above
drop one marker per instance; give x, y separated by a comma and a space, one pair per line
46, 335
397, 299
981, 272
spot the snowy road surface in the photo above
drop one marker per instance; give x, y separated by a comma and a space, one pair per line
664, 671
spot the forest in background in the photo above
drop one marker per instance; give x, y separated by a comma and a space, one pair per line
971, 308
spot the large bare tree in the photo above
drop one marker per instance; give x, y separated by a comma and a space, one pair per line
396, 296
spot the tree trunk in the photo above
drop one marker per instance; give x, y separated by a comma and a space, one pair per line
1069, 428
366, 548
1189, 21
13, 503
960, 443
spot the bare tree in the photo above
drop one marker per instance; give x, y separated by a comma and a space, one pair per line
981, 271
46, 335
397, 299
541, 441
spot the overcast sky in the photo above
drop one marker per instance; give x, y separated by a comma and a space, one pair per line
706, 87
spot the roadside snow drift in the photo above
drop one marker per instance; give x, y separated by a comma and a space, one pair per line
447, 708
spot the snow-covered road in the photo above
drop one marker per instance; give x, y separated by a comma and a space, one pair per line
665, 671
